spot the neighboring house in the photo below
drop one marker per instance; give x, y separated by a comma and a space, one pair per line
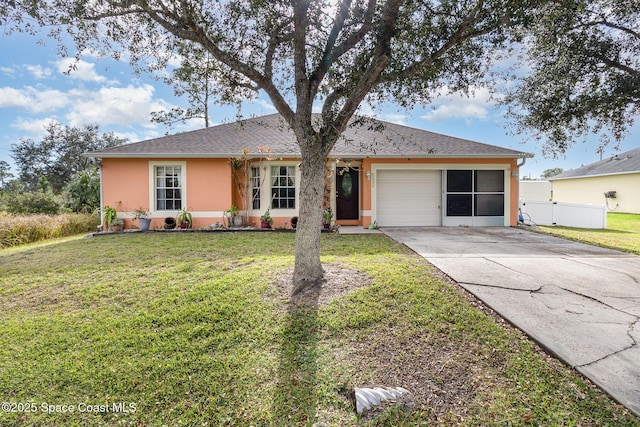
618, 176
383, 172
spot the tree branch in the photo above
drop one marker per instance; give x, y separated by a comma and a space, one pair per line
608, 24
615, 64
274, 41
301, 84
459, 37
380, 58
186, 27
331, 52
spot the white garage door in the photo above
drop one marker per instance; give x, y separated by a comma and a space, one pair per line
408, 198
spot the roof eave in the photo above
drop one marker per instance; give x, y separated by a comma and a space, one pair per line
553, 178
101, 155
177, 155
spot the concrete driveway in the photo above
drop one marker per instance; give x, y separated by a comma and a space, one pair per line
580, 302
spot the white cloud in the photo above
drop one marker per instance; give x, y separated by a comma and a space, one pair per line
39, 72
33, 99
366, 109
48, 100
35, 127
130, 136
122, 106
266, 105
400, 119
458, 105
9, 71
80, 70
12, 97
131, 105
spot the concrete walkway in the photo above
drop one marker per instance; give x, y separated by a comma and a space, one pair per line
580, 302
356, 229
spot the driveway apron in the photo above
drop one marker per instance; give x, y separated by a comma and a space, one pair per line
580, 302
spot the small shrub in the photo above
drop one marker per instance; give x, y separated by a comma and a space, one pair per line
18, 230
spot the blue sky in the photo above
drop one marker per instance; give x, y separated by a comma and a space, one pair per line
35, 90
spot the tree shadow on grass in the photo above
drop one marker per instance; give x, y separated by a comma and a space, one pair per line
295, 400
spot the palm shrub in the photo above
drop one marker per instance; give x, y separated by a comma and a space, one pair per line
83, 191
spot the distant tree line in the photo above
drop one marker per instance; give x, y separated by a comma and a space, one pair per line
53, 175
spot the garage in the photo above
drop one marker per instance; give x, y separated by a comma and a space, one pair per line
409, 197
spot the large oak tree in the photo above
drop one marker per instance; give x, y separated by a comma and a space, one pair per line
584, 76
305, 55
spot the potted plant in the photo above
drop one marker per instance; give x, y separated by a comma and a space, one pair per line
143, 219
169, 223
185, 219
327, 216
265, 220
233, 213
110, 219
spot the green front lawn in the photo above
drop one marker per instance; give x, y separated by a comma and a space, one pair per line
622, 232
195, 329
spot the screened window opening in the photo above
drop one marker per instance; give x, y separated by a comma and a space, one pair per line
168, 188
283, 187
475, 193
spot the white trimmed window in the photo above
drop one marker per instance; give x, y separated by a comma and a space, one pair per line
255, 187
168, 186
283, 187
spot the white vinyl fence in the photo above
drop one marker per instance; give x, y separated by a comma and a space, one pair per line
564, 214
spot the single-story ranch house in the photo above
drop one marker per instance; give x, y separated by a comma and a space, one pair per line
617, 176
377, 172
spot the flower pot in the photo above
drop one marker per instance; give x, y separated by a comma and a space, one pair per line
237, 221
144, 223
265, 224
294, 222
326, 226
169, 223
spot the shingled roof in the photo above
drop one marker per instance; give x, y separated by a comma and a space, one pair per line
370, 138
623, 163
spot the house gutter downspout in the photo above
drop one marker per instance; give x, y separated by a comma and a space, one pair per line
519, 165
101, 198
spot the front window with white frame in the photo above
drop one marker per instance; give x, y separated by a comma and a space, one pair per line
283, 187
168, 186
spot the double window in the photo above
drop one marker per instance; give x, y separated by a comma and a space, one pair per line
475, 193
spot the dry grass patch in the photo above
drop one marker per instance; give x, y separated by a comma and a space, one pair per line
18, 230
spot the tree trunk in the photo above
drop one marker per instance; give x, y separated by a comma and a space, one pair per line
308, 269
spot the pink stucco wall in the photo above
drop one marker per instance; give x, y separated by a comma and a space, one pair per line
208, 189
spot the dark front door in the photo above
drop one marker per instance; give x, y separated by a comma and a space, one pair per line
347, 193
